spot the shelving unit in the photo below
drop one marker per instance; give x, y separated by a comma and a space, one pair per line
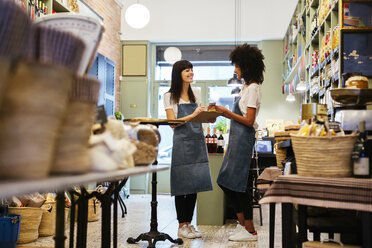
309, 59
313, 46
51, 5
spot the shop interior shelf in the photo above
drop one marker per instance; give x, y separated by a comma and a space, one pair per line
352, 96
57, 183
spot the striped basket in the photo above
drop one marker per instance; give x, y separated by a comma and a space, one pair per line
327, 156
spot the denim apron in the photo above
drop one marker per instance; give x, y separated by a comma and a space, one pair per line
190, 171
237, 160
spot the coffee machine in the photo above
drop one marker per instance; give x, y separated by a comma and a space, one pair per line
351, 108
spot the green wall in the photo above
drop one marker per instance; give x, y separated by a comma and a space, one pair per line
273, 104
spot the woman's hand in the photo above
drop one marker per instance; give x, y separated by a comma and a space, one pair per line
221, 109
197, 111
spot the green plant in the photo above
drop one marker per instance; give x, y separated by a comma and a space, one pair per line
118, 115
222, 125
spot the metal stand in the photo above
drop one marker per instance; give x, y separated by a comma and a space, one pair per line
154, 235
60, 237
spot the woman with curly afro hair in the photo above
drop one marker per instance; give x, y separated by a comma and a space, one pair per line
234, 172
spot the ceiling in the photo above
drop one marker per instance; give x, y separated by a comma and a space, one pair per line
211, 20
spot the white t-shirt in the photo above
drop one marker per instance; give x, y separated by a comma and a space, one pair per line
169, 105
250, 97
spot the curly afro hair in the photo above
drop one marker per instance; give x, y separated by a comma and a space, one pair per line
250, 61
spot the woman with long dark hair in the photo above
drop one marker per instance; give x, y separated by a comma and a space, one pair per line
190, 171
234, 173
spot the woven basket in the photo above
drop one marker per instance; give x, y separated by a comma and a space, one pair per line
34, 103
71, 155
30, 222
48, 220
327, 156
4, 72
94, 210
280, 155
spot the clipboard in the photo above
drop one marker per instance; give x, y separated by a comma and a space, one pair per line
204, 116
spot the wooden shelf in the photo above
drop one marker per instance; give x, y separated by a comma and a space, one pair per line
60, 7
58, 183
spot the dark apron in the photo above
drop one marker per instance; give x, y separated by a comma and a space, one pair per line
190, 171
237, 160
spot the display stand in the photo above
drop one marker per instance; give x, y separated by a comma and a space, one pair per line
154, 235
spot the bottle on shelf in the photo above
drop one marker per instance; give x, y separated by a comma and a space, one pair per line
208, 139
220, 143
214, 141
361, 166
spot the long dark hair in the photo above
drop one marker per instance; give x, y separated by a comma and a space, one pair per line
177, 82
250, 61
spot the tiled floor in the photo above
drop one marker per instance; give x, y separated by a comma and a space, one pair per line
137, 221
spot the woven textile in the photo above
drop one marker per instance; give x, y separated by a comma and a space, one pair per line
341, 193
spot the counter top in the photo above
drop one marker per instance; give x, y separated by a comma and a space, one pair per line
57, 183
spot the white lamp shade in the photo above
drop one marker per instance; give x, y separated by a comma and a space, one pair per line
290, 98
301, 87
137, 16
172, 54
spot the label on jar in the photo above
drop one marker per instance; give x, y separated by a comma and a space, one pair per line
361, 167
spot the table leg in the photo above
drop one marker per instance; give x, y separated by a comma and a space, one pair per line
81, 236
287, 225
154, 235
72, 218
115, 231
302, 225
272, 225
367, 229
60, 237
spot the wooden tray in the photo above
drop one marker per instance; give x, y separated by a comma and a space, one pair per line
205, 116
352, 96
146, 120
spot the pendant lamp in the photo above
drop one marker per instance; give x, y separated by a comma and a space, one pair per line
235, 81
290, 98
236, 91
301, 87
172, 54
137, 16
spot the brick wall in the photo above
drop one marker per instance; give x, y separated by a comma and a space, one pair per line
110, 43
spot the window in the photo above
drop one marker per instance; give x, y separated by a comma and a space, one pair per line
210, 62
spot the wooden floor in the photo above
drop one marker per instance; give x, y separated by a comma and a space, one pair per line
137, 221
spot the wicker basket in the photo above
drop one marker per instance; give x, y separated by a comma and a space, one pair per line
280, 155
94, 210
48, 220
33, 105
30, 222
4, 72
327, 156
72, 154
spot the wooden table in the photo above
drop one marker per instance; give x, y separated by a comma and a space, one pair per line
340, 193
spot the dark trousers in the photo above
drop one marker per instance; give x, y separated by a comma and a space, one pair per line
242, 202
185, 205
